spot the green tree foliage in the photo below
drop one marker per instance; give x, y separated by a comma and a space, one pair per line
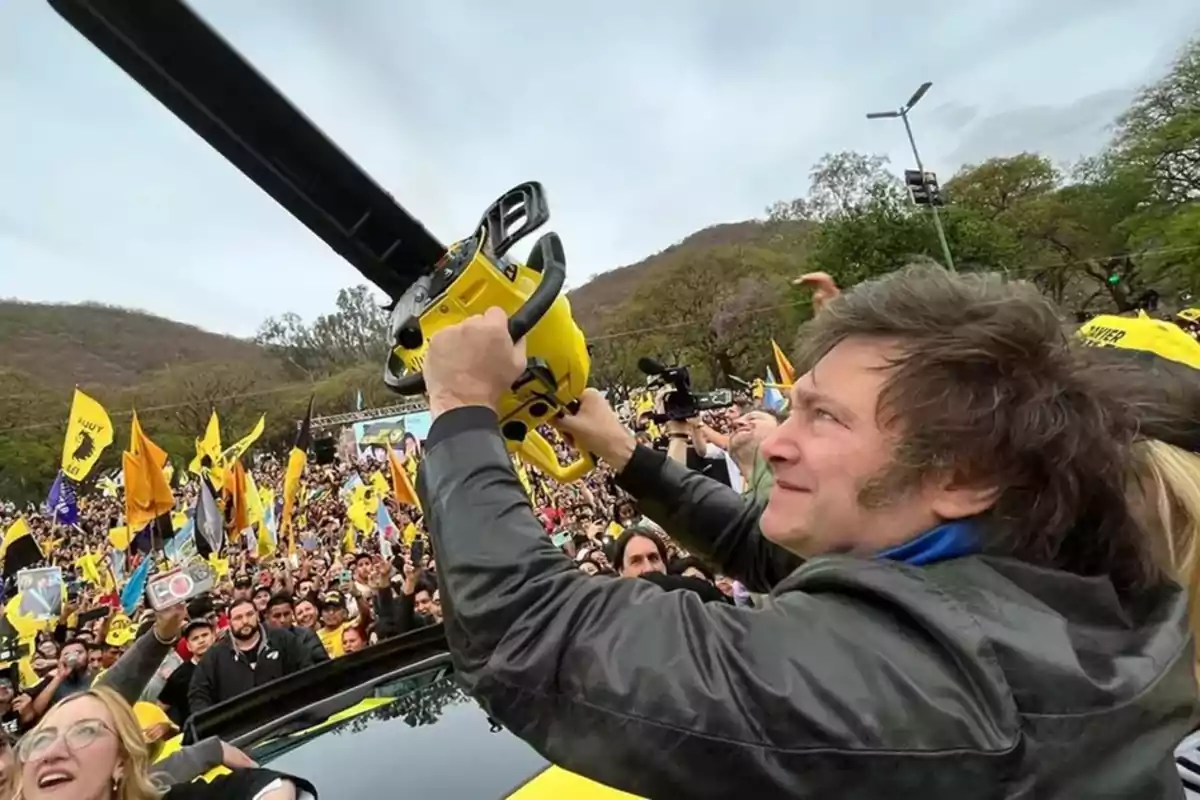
355, 332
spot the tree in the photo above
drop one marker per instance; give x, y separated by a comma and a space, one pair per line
356, 332
839, 184
1158, 138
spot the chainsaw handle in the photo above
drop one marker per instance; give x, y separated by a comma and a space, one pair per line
548, 259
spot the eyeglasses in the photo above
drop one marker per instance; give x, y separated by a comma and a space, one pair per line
79, 736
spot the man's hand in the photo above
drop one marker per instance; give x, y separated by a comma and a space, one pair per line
21, 702
381, 575
157, 732
595, 428
472, 363
169, 622
235, 759
823, 286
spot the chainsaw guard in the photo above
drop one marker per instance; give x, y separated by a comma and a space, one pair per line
537, 452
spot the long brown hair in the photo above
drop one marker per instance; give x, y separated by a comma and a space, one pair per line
988, 389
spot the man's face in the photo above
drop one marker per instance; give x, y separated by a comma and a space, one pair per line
243, 620
280, 616
828, 460
95, 659
199, 640
749, 431
332, 616
423, 603
641, 556
261, 599
75, 655
362, 570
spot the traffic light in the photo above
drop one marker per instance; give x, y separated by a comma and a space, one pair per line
923, 189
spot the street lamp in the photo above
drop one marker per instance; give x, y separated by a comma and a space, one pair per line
902, 113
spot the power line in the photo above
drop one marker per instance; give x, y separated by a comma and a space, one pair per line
167, 406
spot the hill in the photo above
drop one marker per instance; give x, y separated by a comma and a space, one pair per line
597, 301
58, 346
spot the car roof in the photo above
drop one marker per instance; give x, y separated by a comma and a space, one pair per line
391, 715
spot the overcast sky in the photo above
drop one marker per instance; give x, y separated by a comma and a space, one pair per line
645, 120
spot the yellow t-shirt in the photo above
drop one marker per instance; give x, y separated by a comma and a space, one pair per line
332, 639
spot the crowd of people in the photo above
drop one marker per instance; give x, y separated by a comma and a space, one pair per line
338, 590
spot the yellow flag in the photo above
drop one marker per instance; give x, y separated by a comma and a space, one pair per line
235, 451
219, 565
88, 569
402, 486
119, 538
147, 492
254, 508
410, 534
349, 542
361, 510
523, 476
267, 539
787, 375
209, 446
89, 431
380, 483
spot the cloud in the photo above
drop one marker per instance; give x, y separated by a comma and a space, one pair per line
645, 121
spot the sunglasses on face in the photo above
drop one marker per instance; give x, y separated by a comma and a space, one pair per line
78, 736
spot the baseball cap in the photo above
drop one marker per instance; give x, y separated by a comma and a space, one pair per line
242, 582
333, 600
193, 624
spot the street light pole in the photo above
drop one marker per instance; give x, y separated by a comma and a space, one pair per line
903, 115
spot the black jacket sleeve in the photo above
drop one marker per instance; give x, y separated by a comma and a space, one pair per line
394, 613
203, 690
662, 695
708, 518
312, 643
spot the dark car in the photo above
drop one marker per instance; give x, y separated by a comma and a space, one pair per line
388, 720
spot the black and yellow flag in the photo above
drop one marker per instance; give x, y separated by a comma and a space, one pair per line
297, 460
89, 431
208, 449
19, 550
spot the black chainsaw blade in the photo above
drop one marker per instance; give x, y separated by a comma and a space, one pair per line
190, 69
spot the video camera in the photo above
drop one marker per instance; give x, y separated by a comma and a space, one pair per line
682, 403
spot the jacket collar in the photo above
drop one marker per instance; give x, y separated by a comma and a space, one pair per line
947, 541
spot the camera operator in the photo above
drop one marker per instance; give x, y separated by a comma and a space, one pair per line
985, 617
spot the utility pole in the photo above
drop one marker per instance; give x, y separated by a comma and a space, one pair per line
926, 182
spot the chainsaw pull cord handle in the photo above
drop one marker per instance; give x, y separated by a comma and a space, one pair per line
547, 258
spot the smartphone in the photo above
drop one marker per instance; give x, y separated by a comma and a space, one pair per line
179, 585
418, 552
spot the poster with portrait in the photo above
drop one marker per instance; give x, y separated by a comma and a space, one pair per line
405, 434
41, 592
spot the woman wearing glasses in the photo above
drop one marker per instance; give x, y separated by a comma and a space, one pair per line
90, 746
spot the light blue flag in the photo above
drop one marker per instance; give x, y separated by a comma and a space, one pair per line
135, 589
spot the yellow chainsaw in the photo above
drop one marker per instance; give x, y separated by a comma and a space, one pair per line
197, 75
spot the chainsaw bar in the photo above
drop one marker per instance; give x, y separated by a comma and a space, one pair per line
190, 69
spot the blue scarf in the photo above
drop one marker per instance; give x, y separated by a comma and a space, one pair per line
951, 540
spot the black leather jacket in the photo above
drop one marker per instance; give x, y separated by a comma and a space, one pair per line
979, 677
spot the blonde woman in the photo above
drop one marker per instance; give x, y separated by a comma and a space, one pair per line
90, 747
